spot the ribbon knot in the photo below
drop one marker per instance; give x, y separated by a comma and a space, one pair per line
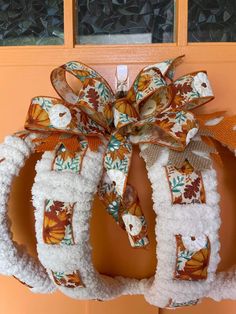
156, 111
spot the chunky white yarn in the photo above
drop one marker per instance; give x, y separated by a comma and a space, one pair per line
78, 188
187, 220
193, 219
68, 187
14, 259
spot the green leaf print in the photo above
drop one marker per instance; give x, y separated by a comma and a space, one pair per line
103, 90
45, 103
113, 209
181, 117
58, 275
108, 162
114, 144
118, 164
183, 257
176, 184
139, 95
72, 164
124, 117
73, 66
121, 164
68, 239
159, 81
59, 163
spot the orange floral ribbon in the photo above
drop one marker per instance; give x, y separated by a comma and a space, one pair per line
156, 110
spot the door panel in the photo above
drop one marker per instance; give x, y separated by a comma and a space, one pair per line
18, 85
25, 73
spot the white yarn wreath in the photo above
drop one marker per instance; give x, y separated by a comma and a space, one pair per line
14, 259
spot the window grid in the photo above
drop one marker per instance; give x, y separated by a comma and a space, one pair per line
118, 54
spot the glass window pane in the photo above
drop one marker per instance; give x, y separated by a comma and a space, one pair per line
31, 22
125, 21
211, 20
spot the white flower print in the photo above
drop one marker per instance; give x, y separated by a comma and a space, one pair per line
202, 85
195, 243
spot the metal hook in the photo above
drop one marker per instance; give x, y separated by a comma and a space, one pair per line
122, 80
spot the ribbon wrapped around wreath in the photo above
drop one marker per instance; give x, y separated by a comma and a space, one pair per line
155, 112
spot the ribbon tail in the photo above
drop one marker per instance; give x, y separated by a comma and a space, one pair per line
197, 153
220, 128
50, 142
150, 153
120, 198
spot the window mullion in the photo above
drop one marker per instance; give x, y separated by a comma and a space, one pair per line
69, 29
182, 22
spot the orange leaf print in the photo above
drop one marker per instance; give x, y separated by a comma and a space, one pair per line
37, 116
53, 232
57, 225
89, 82
123, 106
135, 210
196, 259
144, 81
67, 154
108, 113
81, 73
131, 202
83, 118
131, 95
74, 279
196, 267
62, 216
67, 280
177, 102
190, 124
165, 124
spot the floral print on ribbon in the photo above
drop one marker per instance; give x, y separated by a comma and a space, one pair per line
108, 195
117, 161
57, 223
126, 211
186, 185
67, 280
191, 91
133, 218
147, 82
193, 254
52, 114
171, 129
95, 96
120, 198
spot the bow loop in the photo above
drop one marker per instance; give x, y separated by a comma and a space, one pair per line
167, 67
48, 114
95, 96
152, 81
172, 129
191, 91
124, 113
147, 82
148, 96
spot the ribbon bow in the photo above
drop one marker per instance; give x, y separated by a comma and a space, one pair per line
154, 113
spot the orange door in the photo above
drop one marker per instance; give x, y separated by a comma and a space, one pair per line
24, 73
